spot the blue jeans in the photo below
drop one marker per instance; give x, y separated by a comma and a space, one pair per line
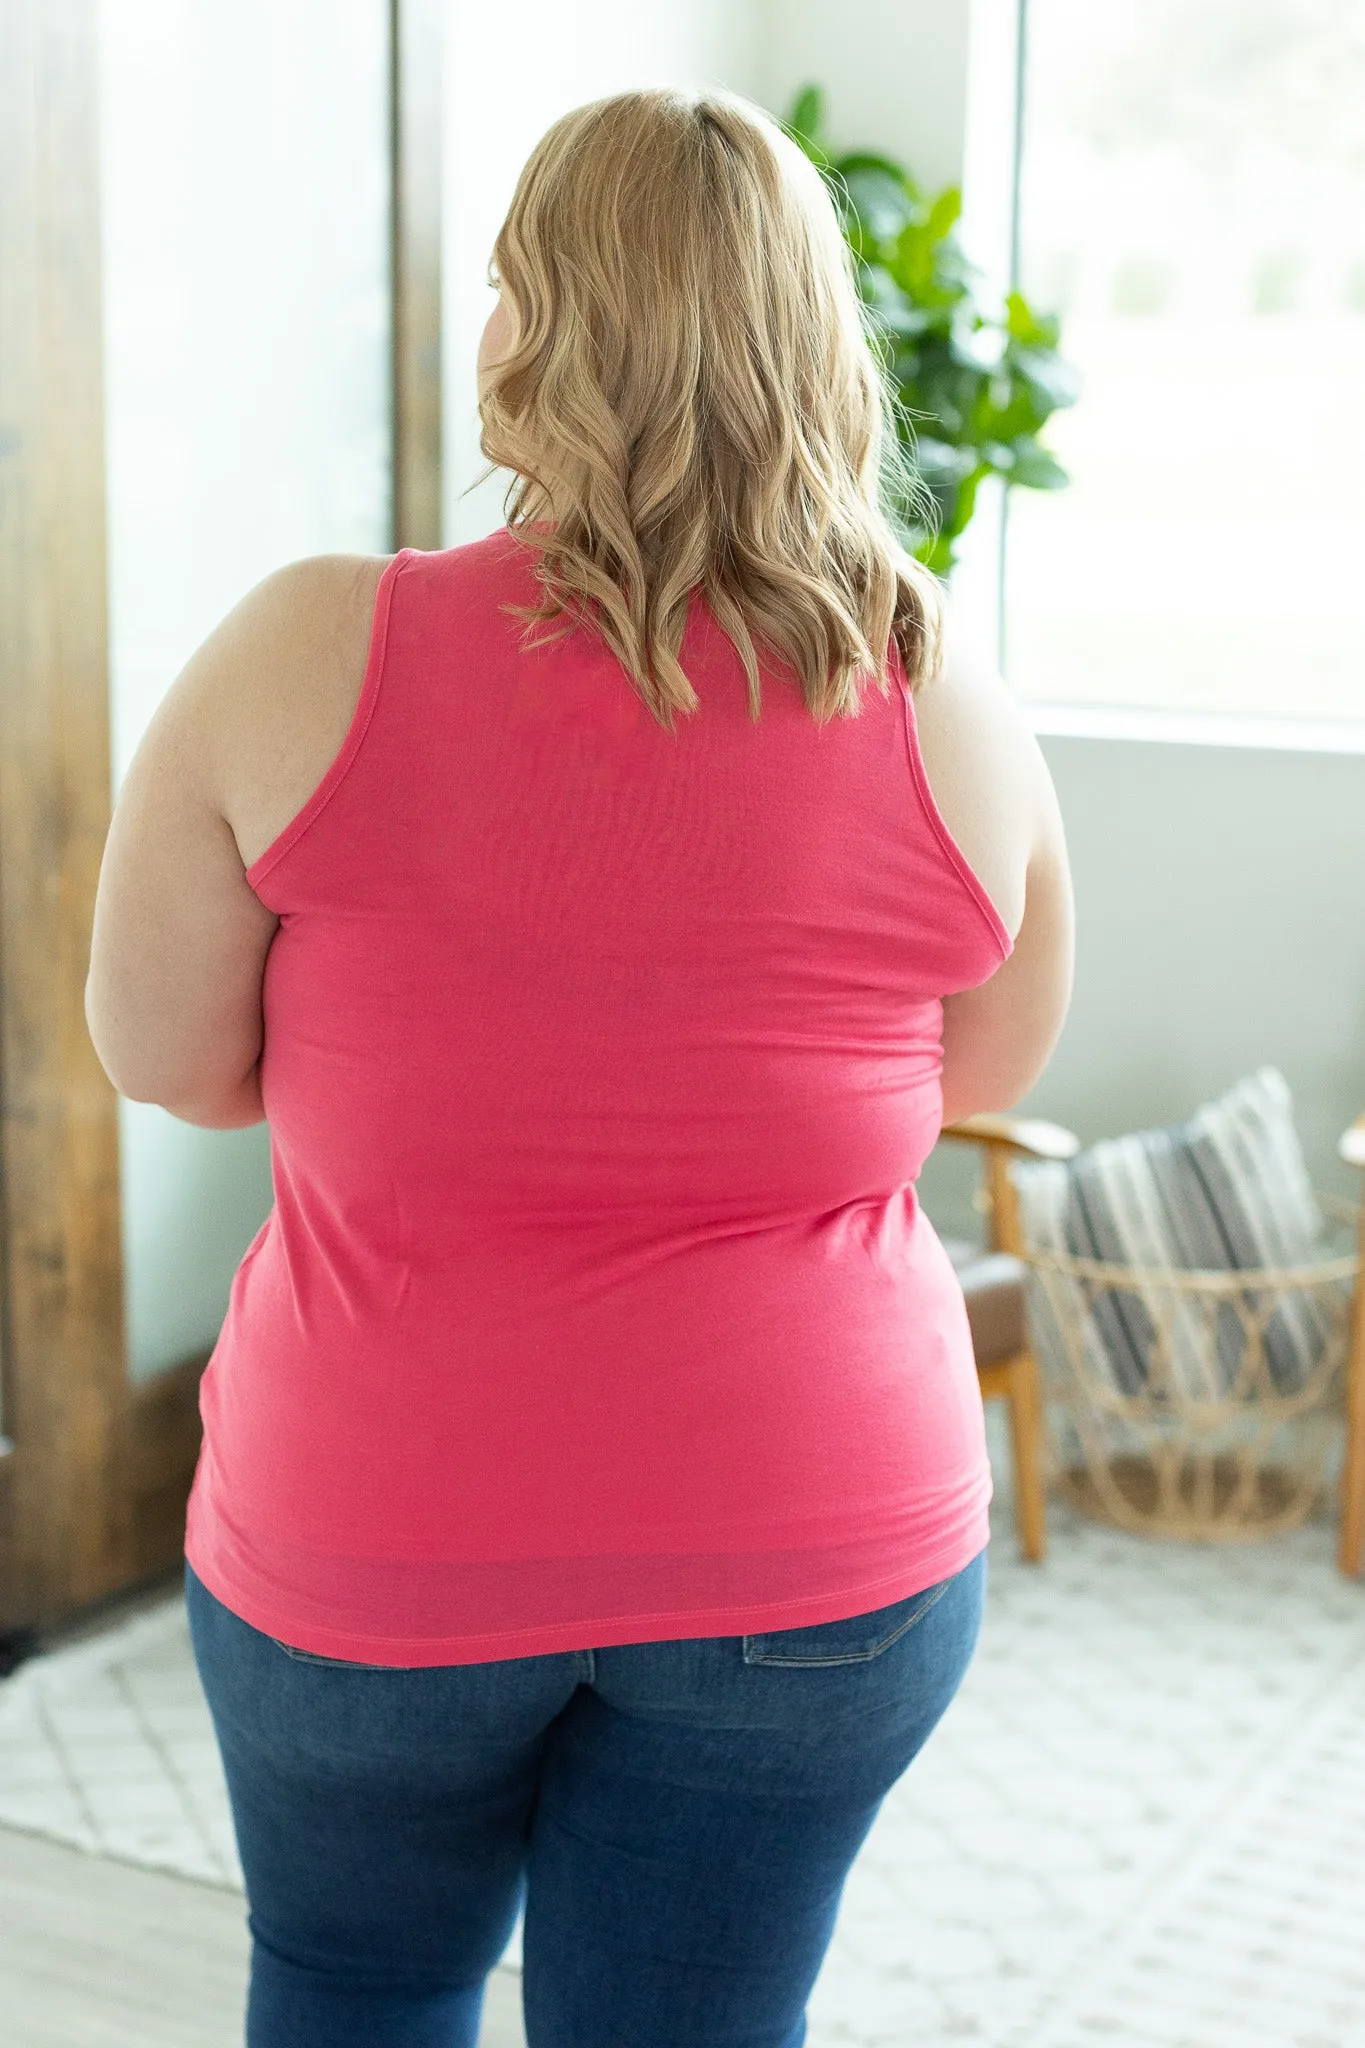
679, 1819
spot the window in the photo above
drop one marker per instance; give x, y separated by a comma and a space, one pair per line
1192, 202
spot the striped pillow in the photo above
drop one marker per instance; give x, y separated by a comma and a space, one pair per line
1228, 1190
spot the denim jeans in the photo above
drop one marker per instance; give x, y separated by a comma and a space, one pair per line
678, 1819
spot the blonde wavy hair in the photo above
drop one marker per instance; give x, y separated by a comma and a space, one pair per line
691, 400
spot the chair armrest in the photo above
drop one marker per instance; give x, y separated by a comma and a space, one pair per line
1031, 1135
1351, 1145
1002, 1138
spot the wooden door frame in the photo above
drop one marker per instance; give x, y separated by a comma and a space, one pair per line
416, 97
95, 1469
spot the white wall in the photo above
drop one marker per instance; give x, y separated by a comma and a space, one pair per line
894, 73
1221, 914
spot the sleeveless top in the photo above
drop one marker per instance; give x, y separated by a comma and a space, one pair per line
595, 1304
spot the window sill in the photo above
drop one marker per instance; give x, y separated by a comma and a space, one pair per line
1196, 729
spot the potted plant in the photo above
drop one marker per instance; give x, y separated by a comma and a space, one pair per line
974, 379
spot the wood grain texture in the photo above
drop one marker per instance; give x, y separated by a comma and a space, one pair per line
1017, 1381
416, 82
158, 1449
99, 1954
65, 1531
1029, 1135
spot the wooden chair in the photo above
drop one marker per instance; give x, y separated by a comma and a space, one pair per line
993, 1281
1352, 1540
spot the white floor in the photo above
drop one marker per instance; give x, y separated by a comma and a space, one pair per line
1141, 1824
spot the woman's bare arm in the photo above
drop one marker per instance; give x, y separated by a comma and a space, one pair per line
994, 792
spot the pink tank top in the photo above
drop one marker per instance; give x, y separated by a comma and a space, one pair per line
595, 1304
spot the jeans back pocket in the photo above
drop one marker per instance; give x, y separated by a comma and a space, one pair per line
856, 1640
334, 1663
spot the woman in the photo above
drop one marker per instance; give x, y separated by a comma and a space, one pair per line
592, 1504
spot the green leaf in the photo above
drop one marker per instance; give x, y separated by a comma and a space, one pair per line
942, 396
882, 202
942, 466
977, 342
944, 214
1036, 468
893, 307
937, 554
1027, 326
966, 499
1005, 410
873, 160
807, 113
912, 261
1057, 382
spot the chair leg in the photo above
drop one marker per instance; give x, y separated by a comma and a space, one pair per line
1026, 1434
1352, 1542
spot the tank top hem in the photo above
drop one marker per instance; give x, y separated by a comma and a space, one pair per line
951, 1554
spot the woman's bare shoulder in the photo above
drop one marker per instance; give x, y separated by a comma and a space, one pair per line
983, 766
291, 665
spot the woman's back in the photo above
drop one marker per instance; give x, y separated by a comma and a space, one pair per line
600, 1062
604, 996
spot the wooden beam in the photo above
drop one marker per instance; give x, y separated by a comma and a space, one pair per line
159, 1449
415, 99
64, 1528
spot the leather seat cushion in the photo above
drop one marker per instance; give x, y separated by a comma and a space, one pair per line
993, 1283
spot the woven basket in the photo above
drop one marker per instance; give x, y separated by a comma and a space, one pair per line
1207, 1447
